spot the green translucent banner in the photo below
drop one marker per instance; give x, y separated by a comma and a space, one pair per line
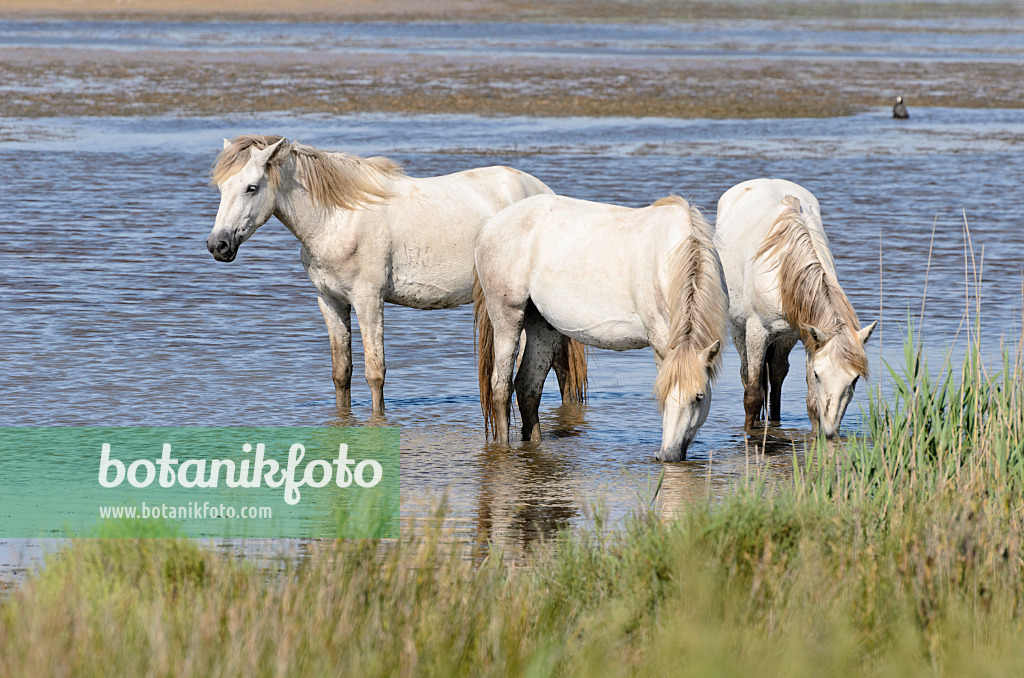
199, 482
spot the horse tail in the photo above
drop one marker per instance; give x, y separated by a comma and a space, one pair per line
575, 387
484, 344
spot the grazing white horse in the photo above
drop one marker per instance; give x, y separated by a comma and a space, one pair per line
783, 287
370, 234
607, 276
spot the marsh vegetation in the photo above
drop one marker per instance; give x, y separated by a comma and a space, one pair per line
898, 552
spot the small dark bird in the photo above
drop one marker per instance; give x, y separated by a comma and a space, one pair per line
900, 109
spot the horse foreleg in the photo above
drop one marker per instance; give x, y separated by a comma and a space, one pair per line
338, 316
778, 368
542, 345
755, 341
370, 312
812, 401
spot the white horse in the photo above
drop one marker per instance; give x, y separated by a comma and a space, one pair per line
370, 234
606, 276
783, 287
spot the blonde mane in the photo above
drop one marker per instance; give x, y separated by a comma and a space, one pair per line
698, 308
333, 179
811, 294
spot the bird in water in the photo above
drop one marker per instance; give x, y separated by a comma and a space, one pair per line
900, 109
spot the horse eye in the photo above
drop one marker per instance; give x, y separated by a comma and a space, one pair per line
251, 188
699, 397
817, 377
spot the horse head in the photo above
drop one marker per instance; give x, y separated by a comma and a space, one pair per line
247, 191
835, 362
685, 391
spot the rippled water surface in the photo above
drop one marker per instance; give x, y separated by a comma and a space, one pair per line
113, 313
977, 39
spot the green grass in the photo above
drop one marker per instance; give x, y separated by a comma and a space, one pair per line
898, 553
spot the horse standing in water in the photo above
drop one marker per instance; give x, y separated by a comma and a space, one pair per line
607, 276
783, 287
370, 234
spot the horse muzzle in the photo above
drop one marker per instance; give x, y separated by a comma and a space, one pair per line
222, 249
820, 428
673, 453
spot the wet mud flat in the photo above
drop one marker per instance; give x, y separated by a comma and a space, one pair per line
57, 83
682, 60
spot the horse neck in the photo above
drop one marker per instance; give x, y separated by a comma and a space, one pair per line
697, 309
295, 208
823, 308
838, 316
809, 288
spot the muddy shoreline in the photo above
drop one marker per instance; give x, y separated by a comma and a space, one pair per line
111, 83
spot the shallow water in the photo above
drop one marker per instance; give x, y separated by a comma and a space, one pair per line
113, 313
974, 39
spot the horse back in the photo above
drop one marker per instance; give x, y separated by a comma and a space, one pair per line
750, 201
748, 214
596, 272
496, 186
429, 228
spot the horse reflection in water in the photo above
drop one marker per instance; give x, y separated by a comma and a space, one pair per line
607, 276
783, 288
762, 460
370, 234
525, 495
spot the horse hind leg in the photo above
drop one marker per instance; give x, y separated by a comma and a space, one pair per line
499, 304
505, 326
543, 343
777, 362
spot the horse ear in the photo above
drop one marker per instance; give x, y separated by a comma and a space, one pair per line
271, 152
709, 354
817, 336
865, 333
279, 149
227, 144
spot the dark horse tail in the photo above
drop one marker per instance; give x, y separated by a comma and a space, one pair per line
573, 382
